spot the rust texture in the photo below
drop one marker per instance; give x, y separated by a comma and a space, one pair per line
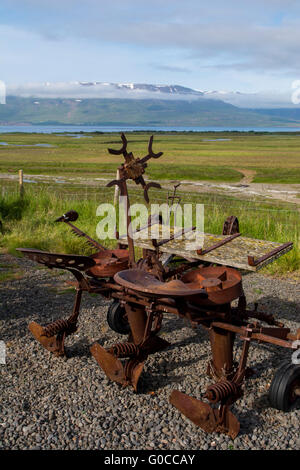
196, 290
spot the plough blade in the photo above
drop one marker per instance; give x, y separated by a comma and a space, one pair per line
204, 416
230, 425
112, 366
127, 374
52, 343
198, 412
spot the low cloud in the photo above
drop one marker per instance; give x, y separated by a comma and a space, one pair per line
264, 99
86, 90
81, 90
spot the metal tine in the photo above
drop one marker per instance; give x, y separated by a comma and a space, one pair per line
91, 241
147, 187
80, 235
72, 216
123, 149
151, 154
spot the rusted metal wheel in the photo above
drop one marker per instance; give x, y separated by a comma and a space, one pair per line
117, 319
285, 387
231, 225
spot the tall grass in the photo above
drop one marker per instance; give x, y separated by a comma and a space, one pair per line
29, 221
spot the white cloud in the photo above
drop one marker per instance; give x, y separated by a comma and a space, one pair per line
261, 99
77, 90
140, 40
86, 90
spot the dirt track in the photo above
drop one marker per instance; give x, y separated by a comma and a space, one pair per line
289, 193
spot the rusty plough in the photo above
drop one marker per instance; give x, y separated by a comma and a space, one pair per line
201, 289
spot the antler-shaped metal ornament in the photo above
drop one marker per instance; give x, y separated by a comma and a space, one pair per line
134, 168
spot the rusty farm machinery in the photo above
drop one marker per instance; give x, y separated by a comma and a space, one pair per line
201, 287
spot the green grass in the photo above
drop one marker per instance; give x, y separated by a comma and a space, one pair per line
29, 222
190, 155
280, 175
69, 290
6, 276
192, 172
9, 272
257, 291
10, 275
159, 172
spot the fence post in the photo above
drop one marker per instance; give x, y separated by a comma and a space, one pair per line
21, 185
117, 189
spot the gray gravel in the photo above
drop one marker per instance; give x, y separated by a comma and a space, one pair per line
54, 403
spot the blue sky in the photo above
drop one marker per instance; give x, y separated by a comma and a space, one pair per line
232, 45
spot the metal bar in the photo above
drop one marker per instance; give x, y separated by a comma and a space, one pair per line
156, 244
272, 340
244, 356
76, 308
84, 235
294, 337
117, 189
168, 306
280, 333
256, 335
255, 262
124, 192
149, 224
217, 245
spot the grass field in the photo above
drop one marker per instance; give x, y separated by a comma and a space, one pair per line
196, 156
29, 222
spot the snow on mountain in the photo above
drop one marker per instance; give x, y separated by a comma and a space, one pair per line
95, 89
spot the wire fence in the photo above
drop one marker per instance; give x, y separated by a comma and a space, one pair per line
209, 199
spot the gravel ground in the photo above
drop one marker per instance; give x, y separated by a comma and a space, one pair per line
54, 403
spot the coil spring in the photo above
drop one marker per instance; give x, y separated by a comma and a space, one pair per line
59, 326
221, 390
124, 349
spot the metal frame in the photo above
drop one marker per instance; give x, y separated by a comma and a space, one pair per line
147, 289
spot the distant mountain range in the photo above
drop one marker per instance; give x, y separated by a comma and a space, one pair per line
98, 103
167, 89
